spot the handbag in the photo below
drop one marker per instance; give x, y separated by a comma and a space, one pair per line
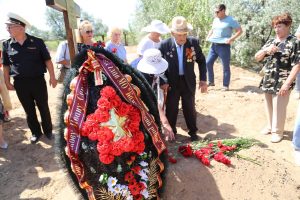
61, 70
61, 73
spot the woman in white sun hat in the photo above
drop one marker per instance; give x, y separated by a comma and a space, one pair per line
152, 39
153, 66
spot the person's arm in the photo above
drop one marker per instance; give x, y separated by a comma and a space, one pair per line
61, 54
286, 85
238, 32
200, 59
8, 84
210, 32
297, 34
52, 81
265, 51
169, 134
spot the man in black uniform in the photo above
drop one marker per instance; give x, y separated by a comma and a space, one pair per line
26, 59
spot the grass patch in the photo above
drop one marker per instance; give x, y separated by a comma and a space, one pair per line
52, 44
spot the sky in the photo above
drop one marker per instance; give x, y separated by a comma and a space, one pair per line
112, 12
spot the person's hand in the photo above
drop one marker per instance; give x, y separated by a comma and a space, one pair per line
52, 82
271, 49
10, 86
284, 90
229, 41
168, 132
203, 86
164, 87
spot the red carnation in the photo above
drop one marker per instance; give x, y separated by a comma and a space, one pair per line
103, 104
186, 151
134, 188
105, 148
172, 159
129, 177
114, 50
106, 158
108, 92
136, 169
205, 161
93, 136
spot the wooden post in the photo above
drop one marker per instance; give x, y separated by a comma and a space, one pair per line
70, 11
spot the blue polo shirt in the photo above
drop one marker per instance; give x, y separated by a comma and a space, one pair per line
222, 29
26, 60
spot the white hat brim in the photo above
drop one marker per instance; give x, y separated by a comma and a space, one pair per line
159, 68
164, 29
17, 17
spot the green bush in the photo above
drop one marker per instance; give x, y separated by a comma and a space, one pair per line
52, 44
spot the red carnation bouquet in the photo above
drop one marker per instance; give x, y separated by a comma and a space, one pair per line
215, 150
115, 125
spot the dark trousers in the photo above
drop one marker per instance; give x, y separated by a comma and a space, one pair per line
188, 106
33, 92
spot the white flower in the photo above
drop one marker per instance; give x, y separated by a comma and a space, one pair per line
129, 197
145, 193
112, 181
143, 175
143, 164
117, 189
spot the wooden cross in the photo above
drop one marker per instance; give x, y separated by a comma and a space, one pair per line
70, 11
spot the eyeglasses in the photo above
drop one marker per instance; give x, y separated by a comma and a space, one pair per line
217, 12
8, 27
88, 32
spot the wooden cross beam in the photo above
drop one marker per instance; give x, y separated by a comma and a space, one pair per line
71, 11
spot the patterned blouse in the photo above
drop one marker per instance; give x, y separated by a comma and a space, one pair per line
278, 66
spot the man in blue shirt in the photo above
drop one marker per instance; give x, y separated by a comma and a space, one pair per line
221, 38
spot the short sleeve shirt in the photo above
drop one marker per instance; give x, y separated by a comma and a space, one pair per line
146, 43
222, 29
119, 50
26, 60
278, 66
62, 52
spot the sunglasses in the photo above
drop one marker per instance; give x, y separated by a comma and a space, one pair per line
88, 32
217, 12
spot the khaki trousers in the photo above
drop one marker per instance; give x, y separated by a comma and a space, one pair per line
4, 93
276, 111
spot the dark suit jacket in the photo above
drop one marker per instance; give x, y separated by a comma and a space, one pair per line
169, 52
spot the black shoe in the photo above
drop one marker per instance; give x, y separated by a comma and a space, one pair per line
211, 84
35, 138
49, 135
194, 137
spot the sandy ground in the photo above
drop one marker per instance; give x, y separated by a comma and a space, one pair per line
32, 172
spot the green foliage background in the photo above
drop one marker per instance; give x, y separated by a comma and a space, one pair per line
253, 15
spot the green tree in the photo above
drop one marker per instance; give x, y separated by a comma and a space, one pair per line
253, 15
39, 33
55, 20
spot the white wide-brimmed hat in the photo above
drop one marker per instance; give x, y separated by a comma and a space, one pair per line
16, 19
157, 26
152, 62
180, 25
